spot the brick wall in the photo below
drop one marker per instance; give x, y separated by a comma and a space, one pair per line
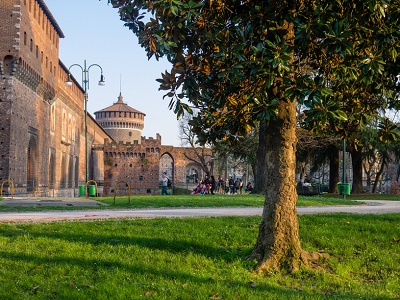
42, 124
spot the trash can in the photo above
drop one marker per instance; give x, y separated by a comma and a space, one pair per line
81, 190
346, 188
340, 188
92, 191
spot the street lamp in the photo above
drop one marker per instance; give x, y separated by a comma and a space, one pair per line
85, 84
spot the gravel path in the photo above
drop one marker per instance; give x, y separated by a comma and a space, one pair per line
370, 207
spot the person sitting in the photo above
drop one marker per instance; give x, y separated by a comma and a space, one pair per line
249, 187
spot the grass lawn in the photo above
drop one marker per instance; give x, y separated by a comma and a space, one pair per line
202, 258
158, 201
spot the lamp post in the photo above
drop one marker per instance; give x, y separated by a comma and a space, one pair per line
85, 84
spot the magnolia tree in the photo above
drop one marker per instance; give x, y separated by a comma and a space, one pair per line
241, 62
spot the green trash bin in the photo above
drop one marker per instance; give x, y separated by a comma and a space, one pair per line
340, 188
346, 188
92, 191
81, 190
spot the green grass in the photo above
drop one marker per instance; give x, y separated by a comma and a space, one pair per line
202, 258
158, 201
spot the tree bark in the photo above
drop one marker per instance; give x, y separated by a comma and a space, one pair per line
278, 242
333, 168
259, 180
356, 162
378, 175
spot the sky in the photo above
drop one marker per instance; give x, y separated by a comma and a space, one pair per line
94, 32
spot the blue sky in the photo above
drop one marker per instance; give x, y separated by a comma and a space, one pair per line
93, 31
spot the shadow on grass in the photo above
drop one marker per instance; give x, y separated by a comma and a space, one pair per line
261, 289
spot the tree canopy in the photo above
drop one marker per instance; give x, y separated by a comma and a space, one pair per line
239, 62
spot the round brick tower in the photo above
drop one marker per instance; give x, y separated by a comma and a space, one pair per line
122, 122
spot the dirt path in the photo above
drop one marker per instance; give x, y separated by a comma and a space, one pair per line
370, 207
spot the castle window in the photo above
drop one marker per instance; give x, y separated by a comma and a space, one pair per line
116, 165
53, 117
64, 124
124, 114
24, 38
69, 127
130, 165
31, 45
47, 62
73, 129
37, 51
51, 67
141, 178
130, 133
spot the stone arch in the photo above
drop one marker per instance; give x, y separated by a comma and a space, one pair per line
52, 171
167, 164
8, 65
76, 171
63, 182
70, 171
31, 169
193, 173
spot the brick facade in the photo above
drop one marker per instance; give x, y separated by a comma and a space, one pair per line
140, 165
41, 129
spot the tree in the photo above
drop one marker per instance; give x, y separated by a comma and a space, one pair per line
240, 62
200, 155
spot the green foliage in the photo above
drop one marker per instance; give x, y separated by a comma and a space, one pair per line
230, 59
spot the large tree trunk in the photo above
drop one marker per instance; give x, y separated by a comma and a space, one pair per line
333, 168
356, 161
278, 242
259, 184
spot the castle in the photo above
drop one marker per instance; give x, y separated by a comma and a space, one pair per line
42, 129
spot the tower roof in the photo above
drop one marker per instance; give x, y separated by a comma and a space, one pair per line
120, 106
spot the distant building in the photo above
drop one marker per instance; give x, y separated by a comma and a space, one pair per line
122, 122
42, 132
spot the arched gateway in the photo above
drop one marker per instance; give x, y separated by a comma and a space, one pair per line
141, 165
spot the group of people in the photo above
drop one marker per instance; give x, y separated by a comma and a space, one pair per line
205, 186
209, 185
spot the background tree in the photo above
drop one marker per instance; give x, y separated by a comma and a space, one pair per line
242, 61
200, 155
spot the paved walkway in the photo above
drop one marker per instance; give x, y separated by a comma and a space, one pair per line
370, 207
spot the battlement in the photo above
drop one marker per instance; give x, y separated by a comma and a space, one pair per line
148, 145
